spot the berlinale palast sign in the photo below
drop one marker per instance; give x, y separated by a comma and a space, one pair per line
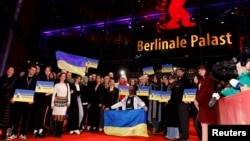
193, 41
179, 16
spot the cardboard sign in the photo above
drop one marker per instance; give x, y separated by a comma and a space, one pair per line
189, 95
167, 68
123, 90
155, 95
44, 86
165, 96
142, 91
148, 70
22, 95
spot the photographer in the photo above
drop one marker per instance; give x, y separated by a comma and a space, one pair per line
243, 78
248, 65
242, 72
244, 88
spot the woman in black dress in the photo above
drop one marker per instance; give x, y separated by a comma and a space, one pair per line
7, 86
111, 94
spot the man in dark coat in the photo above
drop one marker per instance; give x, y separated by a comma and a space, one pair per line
22, 109
183, 112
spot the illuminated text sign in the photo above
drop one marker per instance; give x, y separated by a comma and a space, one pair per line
193, 41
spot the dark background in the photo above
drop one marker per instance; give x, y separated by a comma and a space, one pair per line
115, 44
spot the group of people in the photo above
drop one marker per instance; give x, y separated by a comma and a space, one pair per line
83, 100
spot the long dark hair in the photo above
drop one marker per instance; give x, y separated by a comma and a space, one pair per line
60, 74
158, 78
206, 69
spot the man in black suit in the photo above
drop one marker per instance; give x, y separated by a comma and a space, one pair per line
21, 110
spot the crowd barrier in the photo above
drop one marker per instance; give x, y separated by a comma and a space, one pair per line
235, 109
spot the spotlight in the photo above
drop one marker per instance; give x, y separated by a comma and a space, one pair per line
122, 72
206, 18
222, 22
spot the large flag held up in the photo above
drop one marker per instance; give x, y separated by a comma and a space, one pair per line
125, 123
72, 63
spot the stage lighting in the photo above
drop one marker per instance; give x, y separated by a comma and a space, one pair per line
122, 72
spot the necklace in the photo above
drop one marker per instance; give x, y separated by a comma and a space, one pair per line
28, 81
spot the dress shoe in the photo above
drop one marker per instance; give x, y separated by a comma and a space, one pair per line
41, 135
181, 139
166, 138
77, 132
35, 135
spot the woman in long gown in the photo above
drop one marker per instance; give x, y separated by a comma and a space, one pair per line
7, 86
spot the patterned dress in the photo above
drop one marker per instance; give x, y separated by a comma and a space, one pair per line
60, 90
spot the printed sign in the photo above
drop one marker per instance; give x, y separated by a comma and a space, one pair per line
167, 68
155, 95
123, 90
148, 70
44, 86
189, 95
22, 95
142, 91
165, 96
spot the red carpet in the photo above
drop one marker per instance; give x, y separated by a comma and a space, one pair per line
88, 136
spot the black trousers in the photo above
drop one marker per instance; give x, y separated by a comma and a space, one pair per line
94, 116
39, 110
21, 113
197, 126
183, 114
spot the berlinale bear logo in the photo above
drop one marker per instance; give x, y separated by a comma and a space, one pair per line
178, 15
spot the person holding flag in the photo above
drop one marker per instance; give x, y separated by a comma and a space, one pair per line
130, 121
130, 102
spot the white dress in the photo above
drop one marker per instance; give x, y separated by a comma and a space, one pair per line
60, 90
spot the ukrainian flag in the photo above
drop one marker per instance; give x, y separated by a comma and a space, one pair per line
72, 63
125, 123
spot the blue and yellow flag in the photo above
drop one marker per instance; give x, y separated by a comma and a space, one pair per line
125, 123
72, 63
